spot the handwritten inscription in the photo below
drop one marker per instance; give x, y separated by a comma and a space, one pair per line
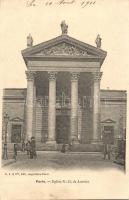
81, 3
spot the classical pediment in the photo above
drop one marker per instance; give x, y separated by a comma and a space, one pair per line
63, 46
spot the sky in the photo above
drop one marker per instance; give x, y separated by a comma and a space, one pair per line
108, 18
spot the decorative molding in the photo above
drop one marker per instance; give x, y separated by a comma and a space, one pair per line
108, 121
30, 75
75, 76
16, 119
52, 75
64, 49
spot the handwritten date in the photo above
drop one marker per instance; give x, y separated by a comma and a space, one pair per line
82, 3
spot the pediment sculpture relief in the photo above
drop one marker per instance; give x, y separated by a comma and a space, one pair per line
63, 49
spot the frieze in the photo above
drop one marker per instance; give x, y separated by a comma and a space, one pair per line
62, 49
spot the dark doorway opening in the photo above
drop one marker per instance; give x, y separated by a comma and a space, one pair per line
62, 128
16, 133
109, 131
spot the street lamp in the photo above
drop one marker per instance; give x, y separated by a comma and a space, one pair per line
6, 119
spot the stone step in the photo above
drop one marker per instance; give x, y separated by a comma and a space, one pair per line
57, 147
87, 148
74, 148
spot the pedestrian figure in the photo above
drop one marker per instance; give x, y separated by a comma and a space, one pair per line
23, 146
33, 148
28, 147
15, 152
107, 145
63, 148
107, 149
70, 145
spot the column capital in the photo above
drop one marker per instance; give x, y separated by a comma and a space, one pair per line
30, 75
52, 75
97, 76
75, 76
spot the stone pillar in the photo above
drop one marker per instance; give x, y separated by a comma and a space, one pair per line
52, 108
34, 110
96, 106
29, 104
74, 107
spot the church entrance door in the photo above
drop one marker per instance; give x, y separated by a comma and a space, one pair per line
62, 128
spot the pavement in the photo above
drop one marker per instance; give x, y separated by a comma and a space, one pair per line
57, 160
8, 161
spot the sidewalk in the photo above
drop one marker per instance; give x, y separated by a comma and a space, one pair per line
57, 160
7, 162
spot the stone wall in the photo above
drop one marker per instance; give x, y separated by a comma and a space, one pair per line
113, 110
14, 106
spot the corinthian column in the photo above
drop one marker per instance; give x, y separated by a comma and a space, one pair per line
29, 103
74, 107
52, 108
96, 106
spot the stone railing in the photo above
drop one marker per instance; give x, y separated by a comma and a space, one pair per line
65, 102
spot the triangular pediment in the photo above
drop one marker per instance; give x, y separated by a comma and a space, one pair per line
64, 46
108, 121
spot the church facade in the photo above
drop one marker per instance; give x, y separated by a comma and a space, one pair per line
63, 101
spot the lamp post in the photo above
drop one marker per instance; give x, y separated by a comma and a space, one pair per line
6, 119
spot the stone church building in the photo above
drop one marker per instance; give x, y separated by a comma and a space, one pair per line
63, 101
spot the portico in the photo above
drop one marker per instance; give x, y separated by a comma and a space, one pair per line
63, 75
73, 100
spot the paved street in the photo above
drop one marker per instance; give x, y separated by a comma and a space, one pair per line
58, 160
